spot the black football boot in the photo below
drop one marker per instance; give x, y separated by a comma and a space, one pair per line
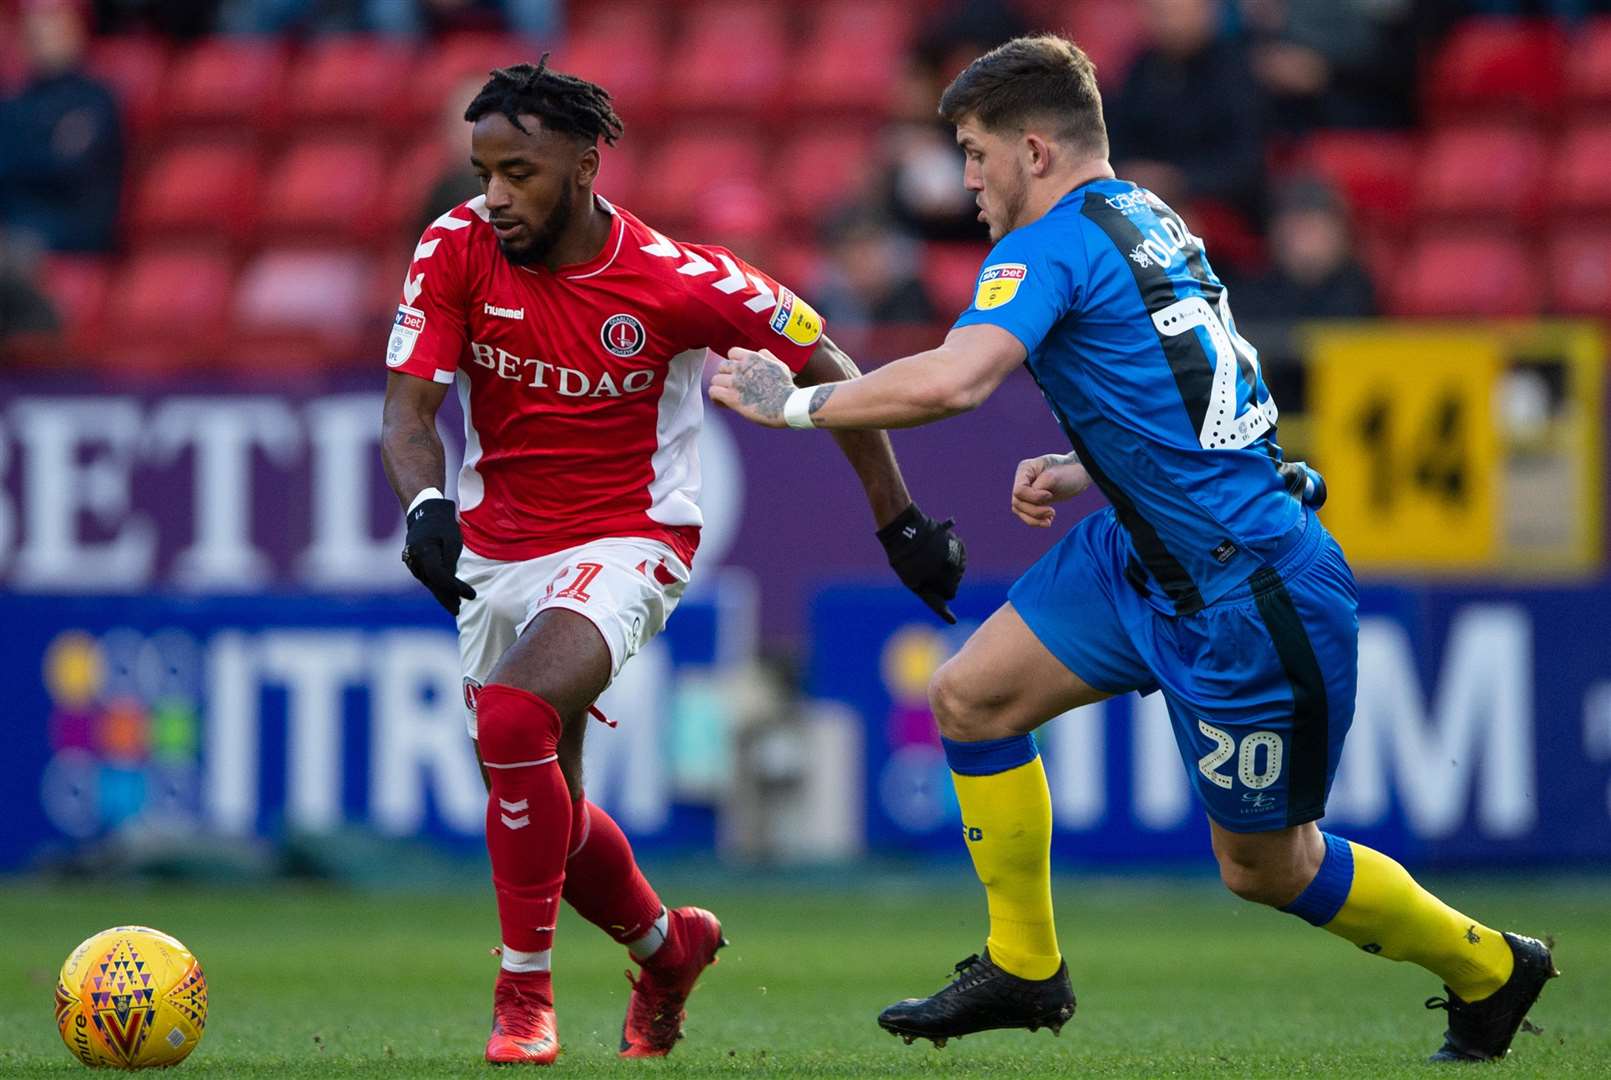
1482, 1030
983, 997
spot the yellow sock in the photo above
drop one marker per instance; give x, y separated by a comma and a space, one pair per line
1364, 896
1007, 820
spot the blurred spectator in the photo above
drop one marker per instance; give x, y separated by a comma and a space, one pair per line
1188, 121
1333, 63
27, 318
872, 274
539, 18
1313, 273
456, 182
61, 140
924, 187
175, 18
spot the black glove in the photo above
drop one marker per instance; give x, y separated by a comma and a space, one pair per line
927, 556
1303, 483
431, 552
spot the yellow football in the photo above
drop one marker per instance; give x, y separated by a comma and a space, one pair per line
131, 998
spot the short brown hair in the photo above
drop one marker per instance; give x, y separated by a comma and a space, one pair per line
1043, 77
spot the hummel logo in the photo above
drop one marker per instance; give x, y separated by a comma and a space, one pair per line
504, 312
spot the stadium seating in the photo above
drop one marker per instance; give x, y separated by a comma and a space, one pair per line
1447, 277
297, 308
949, 272
1373, 170
227, 82
198, 191
856, 50
1582, 173
682, 167
821, 169
1588, 69
328, 190
628, 60
78, 286
1492, 68
1491, 175
1111, 34
354, 82
448, 66
711, 74
1579, 262
168, 309
133, 66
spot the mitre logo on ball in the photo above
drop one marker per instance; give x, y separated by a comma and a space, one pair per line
623, 335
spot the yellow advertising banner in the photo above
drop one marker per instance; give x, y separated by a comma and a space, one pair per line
1459, 449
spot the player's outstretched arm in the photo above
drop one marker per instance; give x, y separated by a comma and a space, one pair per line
926, 554
919, 389
411, 451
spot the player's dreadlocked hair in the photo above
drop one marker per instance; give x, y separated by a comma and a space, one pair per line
564, 102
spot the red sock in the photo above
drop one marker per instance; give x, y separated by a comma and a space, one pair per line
602, 879
528, 812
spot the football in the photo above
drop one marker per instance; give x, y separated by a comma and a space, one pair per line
131, 998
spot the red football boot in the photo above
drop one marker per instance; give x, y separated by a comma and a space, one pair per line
655, 1013
523, 1028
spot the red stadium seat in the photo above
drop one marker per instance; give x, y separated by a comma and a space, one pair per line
1582, 172
820, 170
1371, 169
620, 178
1580, 271
1467, 276
1110, 32
133, 66
78, 285
198, 190
1493, 67
236, 82
328, 189
731, 56
354, 81
857, 51
451, 71
1495, 175
1588, 68
949, 272
682, 169
168, 309
303, 307
628, 62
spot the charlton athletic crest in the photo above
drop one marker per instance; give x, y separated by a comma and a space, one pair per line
622, 335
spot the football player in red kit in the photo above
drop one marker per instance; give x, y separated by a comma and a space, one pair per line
576, 337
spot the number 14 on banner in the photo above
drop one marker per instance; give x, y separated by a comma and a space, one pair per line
1406, 434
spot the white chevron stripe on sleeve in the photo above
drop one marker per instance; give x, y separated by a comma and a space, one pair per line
696, 265
765, 300
734, 280
662, 247
426, 248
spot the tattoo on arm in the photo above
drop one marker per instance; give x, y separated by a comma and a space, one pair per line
820, 398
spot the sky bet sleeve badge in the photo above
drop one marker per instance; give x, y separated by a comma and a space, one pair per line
999, 284
796, 320
405, 332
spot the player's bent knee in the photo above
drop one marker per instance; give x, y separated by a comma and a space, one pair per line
515, 726
1260, 881
961, 711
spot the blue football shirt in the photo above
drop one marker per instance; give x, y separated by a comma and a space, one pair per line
1131, 339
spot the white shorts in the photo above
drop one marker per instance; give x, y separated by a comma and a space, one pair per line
627, 587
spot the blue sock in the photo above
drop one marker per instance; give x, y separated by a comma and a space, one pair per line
1319, 903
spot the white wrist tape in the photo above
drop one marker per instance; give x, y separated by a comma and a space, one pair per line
423, 496
797, 410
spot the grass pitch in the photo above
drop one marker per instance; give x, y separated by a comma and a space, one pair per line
1174, 977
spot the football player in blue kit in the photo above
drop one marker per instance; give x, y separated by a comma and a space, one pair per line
1209, 577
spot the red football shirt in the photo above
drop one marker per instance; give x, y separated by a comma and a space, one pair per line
581, 387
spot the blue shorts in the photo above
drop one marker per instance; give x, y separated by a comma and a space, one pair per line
1260, 683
